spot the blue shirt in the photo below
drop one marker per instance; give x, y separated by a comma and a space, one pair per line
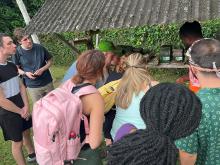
70, 72
130, 115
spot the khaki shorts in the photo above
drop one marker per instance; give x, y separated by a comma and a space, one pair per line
37, 93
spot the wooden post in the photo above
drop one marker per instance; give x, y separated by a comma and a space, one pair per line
61, 38
26, 17
96, 40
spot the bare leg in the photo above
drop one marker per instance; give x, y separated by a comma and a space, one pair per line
17, 153
27, 141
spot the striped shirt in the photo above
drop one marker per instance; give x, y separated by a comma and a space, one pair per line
9, 83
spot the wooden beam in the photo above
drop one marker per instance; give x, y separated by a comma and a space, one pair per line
79, 41
61, 38
168, 65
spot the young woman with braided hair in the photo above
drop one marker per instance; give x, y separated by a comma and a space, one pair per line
132, 87
170, 112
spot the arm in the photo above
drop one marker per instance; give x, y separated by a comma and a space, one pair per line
44, 68
8, 105
25, 100
96, 112
48, 65
186, 158
183, 79
28, 74
188, 148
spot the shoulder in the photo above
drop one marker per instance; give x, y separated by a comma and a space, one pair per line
153, 83
38, 46
8, 71
188, 144
18, 50
92, 102
18, 47
210, 100
93, 98
11, 64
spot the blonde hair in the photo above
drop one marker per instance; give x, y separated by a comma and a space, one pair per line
135, 76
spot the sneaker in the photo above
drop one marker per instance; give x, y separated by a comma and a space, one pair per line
31, 159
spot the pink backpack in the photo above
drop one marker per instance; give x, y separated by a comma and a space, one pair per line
56, 124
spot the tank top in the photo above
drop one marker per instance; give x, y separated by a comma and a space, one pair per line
130, 115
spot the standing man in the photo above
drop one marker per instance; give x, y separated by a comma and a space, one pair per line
203, 146
33, 62
189, 33
14, 109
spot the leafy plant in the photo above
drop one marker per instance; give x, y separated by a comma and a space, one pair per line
148, 37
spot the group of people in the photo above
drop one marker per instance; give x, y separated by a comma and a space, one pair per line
29, 70
173, 123
150, 123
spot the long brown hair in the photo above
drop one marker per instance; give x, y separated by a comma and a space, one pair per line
89, 66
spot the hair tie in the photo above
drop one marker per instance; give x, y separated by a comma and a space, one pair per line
133, 66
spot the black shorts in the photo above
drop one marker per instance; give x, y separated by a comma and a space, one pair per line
13, 125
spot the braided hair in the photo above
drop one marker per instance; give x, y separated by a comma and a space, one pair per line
170, 111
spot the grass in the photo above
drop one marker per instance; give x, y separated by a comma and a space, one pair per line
162, 75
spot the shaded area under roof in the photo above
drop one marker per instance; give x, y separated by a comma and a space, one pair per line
57, 16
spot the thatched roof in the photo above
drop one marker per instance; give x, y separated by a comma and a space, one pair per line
84, 15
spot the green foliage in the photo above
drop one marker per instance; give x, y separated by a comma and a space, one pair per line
33, 6
10, 15
152, 37
148, 37
63, 55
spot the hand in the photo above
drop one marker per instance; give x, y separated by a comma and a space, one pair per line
25, 112
108, 141
30, 75
180, 80
39, 72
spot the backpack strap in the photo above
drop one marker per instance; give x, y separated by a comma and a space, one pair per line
78, 87
81, 90
84, 89
86, 127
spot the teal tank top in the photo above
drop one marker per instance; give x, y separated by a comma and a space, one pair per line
130, 115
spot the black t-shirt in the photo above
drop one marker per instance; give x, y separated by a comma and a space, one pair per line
32, 60
9, 82
113, 75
